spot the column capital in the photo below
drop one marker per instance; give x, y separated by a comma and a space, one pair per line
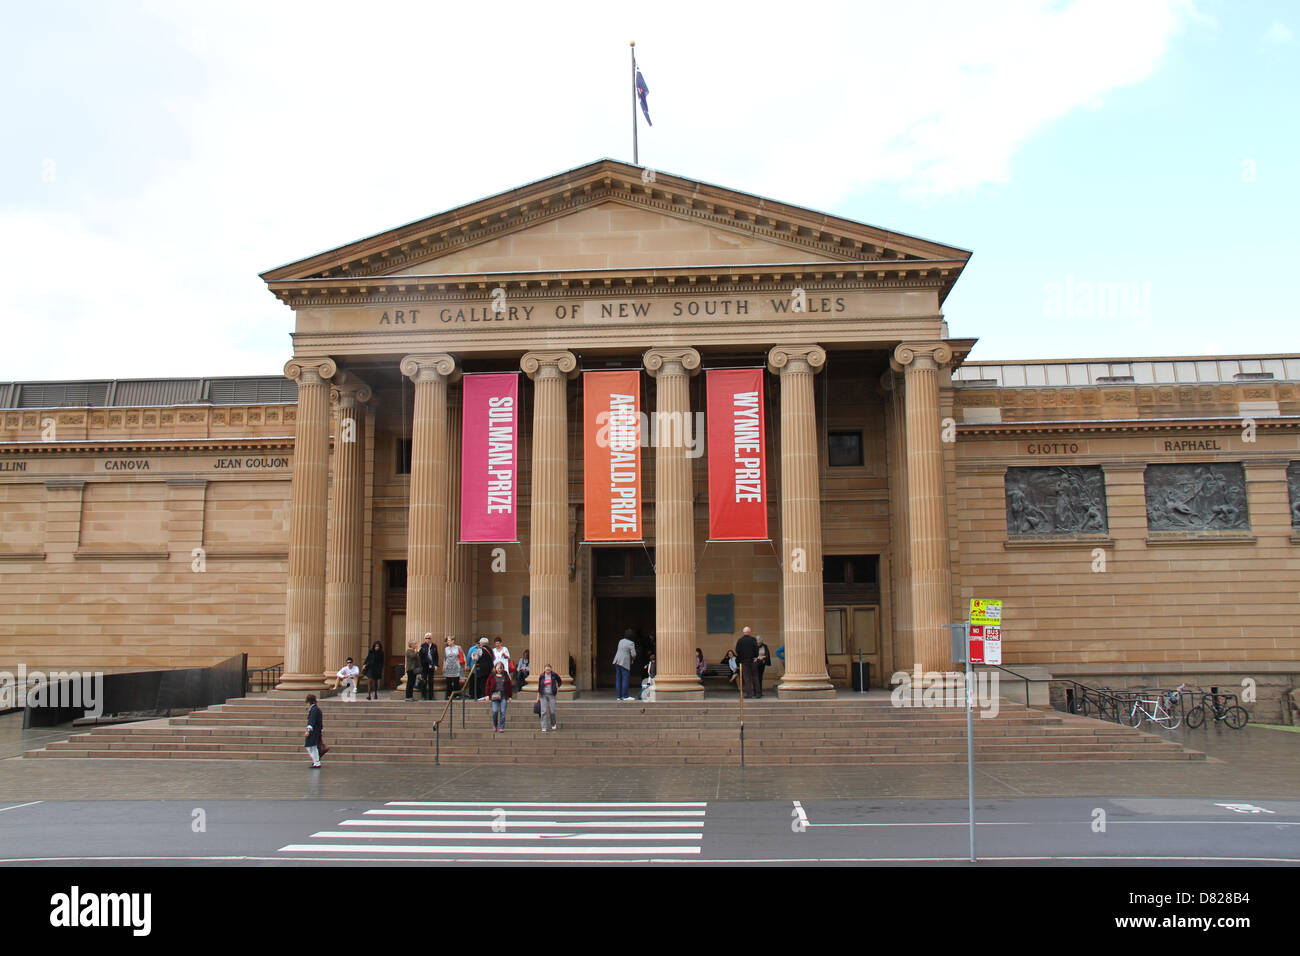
311, 371
349, 391
656, 360
920, 355
546, 364
430, 367
796, 358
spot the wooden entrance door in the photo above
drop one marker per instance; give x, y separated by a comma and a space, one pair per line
396, 646
851, 629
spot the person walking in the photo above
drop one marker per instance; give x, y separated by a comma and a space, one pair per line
624, 655
761, 662
453, 662
521, 671
428, 664
315, 740
548, 686
500, 652
374, 670
412, 669
348, 675
746, 652
482, 670
499, 692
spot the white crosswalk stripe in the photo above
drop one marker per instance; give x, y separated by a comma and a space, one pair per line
514, 831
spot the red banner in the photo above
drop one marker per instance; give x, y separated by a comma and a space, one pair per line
489, 457
611, 465
737, 455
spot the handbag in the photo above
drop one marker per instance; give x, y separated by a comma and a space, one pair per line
324, 750
537, 707
496, 695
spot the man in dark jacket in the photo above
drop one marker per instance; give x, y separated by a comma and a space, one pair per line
762, 659
428, 663
315, 723
747, 652
482, 670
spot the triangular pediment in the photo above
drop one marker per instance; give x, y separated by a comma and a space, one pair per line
612, 215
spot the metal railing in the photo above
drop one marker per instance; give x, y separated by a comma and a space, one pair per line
451, 726
740, 686
262, 679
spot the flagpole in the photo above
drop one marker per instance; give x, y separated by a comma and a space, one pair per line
636, 157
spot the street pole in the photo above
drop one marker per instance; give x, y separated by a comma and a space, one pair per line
970, 751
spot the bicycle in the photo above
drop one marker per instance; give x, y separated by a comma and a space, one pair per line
1163, 710
1234, 715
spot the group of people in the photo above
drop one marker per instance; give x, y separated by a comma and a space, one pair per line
747, 663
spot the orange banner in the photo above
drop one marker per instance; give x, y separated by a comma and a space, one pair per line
611, 464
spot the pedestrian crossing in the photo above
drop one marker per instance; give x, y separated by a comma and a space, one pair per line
514, 831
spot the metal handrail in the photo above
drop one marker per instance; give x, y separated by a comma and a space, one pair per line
451, 732
1104, 697
740, 686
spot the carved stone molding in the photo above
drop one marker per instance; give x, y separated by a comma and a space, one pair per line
430, 367
348, 390
545, 364
656, 359
922, 355
310, 371
796, 358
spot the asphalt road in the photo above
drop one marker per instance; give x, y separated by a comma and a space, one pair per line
1232, 830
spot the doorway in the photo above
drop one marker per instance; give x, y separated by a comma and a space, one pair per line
613, 617
853, 634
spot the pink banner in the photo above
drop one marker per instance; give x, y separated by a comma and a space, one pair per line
489, 458
737, 455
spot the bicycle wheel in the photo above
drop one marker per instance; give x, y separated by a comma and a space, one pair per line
1136, 717
1084, 706
1174, 718
1196, 716
1236, 717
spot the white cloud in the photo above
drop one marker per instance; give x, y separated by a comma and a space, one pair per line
1277, 34
307, 125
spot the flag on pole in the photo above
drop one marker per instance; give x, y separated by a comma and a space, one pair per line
642, 91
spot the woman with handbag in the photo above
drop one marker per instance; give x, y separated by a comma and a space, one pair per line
314, 741
499, 691
412, 669
453, 660
548, 687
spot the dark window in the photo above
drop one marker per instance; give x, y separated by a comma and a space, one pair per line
849, 568
642, 566
610, 562
403, 456
523, 616
844, 449
396, 574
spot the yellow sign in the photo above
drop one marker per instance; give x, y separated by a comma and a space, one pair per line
985, 612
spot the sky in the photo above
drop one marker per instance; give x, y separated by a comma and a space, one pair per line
1127, 174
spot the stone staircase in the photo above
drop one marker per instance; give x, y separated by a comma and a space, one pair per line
846, 731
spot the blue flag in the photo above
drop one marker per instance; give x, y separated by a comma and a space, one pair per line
642, 91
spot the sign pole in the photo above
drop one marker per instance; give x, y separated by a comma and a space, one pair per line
970, 758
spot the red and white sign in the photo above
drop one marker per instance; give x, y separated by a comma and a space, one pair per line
737, 455
489, 458
611, 464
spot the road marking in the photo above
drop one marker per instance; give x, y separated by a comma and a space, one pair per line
539, 813
19, 806
483, 850
1244, 808
352, 858
507, 835
1073, 823
566, 824
486, 803
483, 829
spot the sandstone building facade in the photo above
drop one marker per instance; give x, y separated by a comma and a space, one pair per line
1140, 518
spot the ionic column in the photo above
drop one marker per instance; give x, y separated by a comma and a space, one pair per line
927, 506
304, 617
460, 557
674, 524
426, 527
548, 576
347, 505
803, 610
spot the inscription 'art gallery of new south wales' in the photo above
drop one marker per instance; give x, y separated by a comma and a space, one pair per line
609, 401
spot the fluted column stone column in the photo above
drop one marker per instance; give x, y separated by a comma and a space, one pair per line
674, 525
803, 608
548, 576
347, 515
927, 506
426, 528
304, 618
